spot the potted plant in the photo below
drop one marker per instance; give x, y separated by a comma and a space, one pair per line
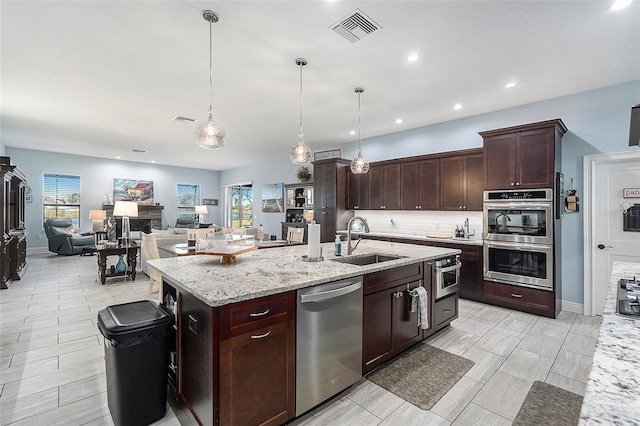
303, 174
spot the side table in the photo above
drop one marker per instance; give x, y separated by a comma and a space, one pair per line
131, 251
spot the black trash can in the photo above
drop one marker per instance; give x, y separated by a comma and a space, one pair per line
136, 352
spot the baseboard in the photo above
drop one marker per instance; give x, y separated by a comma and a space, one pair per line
578, 308
37, 250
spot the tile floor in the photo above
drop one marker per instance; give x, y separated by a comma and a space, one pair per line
52, 360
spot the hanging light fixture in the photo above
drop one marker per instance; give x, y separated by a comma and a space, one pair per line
359, 165
301, 152
210, 135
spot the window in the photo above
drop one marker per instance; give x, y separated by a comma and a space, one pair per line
188, 199
239, 205
61, 197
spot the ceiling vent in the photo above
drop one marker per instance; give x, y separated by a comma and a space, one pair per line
355, 26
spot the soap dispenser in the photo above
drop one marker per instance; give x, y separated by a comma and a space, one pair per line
338, 243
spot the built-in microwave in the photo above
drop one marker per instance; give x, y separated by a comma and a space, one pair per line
524, 216
527, 265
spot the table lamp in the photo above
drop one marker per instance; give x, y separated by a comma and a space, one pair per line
98, 217
202, 210
126, 209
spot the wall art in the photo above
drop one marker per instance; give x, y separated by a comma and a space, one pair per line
272, 198
137, 190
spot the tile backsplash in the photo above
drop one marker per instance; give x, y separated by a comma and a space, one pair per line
421, 223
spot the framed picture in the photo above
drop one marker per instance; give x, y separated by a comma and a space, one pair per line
272, 198
209, 202
137, 190
327, 155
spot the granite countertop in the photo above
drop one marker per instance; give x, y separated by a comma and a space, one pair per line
265, 272
473, 241
612, 396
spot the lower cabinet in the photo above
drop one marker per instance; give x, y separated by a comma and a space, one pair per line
257, 376
389, 326
236, 363
445, 311
539, 302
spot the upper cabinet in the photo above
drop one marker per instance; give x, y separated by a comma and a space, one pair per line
384, 186
420, 184
524, 156
330, 191
358, 195
461, 182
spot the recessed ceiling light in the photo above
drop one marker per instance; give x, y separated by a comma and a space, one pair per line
412, 58
352, 132
153, 161
620, 4
117, 157
457, 106
399, 121
510, 85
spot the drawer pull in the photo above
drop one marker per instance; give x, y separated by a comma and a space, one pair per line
516, 295
446, 311
259, 314
261, 336
193, 325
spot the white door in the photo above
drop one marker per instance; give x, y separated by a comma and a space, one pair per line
610, 242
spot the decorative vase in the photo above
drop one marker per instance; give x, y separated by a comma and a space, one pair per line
120, 266
303, 180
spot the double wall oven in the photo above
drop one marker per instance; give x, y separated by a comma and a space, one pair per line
518, 237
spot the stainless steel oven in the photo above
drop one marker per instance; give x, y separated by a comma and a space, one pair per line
446, 275
524, 216
528, 265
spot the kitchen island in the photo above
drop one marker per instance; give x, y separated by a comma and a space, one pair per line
612, 396
234, 320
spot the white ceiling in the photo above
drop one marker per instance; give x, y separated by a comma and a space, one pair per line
102, 78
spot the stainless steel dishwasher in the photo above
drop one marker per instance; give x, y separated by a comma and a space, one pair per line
328, 341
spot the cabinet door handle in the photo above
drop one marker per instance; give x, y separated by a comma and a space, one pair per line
512, 184
259, 314
261, 336
193, 325
446, 311
517, 183
516, 295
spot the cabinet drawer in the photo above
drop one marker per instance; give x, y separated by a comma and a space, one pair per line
446, 310
519, 296
243, 317
382, 280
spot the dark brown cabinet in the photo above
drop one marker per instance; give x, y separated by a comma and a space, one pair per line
13, 240
461, 182
523, 156
539, 302
389, 326
330, 191
420, 189
358, 191
221, 354
384, 186
445, 311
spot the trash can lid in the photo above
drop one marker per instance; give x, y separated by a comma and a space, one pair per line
131, 319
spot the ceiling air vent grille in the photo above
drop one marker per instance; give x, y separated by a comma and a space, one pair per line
355, 26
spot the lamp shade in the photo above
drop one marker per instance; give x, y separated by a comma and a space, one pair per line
125, 208
97, 214
201, 210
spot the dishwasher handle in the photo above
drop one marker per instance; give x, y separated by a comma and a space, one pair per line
331, 294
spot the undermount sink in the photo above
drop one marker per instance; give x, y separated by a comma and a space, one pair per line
367, 259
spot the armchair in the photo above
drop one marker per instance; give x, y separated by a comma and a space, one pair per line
185, 222
63, 238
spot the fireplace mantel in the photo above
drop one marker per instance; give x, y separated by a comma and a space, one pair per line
145, 211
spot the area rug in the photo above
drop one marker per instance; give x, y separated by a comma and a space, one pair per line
549, 405
421, 375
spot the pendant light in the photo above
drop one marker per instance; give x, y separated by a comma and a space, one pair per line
300, 153
210, 135
359, 165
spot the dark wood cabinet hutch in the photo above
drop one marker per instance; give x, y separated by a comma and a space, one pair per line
13, 244
330, 192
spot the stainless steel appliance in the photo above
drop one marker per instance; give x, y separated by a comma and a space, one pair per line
519, 237
528, 265
523, 216
328, 341
446, 275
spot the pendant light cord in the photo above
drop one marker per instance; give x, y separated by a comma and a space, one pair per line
210, 70
359, 146
300, 136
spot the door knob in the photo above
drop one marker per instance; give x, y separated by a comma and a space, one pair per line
602, 246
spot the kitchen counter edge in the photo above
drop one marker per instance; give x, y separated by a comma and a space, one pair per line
450, 240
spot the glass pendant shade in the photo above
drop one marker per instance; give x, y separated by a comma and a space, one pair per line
359, 165
210, 135
300, 153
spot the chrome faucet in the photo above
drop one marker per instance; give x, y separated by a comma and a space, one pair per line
366, 231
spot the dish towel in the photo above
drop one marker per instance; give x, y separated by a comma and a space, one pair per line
420, 303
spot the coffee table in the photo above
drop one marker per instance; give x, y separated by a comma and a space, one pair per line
130, 251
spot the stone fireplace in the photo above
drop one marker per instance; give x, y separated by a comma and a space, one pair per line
147, 216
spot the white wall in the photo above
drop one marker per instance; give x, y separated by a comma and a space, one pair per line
97, 176
598, 121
